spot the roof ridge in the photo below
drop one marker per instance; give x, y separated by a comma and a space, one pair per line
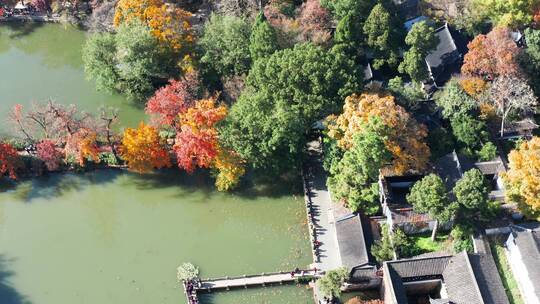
418, 259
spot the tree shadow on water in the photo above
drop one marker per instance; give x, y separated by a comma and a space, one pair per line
8, 293
57, 184
19, 29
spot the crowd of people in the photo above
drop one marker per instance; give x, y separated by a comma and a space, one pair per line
191, 292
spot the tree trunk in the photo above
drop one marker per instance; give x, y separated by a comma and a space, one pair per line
435, 228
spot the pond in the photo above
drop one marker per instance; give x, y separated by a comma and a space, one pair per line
116, 237
41, 62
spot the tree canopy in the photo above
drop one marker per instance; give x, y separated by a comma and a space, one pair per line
472, 195
129, 61
421, 39
523, 177
225, 45
405, 138
492, 55
353, 180
142, 149
263, 39
285, 94
384, 35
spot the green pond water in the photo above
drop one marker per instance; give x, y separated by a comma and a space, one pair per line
41, 62
113, 237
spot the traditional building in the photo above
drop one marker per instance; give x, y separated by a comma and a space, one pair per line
523, 248
458, 279
354, 241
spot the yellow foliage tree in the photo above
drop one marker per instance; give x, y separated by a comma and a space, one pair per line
169, 24
406, 136
142, 150
474, 86
523, 177
230, 167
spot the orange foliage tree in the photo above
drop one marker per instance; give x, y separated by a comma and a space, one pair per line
83, 146
523, 177
169, 24
406, 137
197, 141
9, 160
142, 150
492, 55
474, 86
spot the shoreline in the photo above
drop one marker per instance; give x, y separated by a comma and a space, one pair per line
33, 18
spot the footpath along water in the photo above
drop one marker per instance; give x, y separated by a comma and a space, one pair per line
114, 237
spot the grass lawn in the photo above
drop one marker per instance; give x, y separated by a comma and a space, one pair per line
509, 282
422, 243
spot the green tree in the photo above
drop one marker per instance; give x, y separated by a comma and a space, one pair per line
461, 237
530, 58
408, 95
383, 35
454, 101
428, 195
330, 283
469, 130
354, 179
421, 39
349, 32
342, 8
472, 195
392, 244
285, 94
225, 45
488, 152
99, 56
263, 39
128, 62
414, 64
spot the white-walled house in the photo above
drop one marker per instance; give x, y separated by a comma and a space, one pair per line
523, 250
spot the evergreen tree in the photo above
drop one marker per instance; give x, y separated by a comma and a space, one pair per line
263, 39
383, 35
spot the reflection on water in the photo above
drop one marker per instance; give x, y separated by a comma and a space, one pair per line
116, 237
40, 62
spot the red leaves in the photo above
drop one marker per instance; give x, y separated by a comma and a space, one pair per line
49, 154
197, 141
492, 55
173, 99
9, 160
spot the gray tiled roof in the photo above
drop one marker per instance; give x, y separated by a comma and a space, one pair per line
528, 242
351, 241
488, 278
460, 281
446, 46
486, 273
468, 279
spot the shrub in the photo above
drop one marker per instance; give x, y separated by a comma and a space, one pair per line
330, 283
186, 271
108, 158
488, 152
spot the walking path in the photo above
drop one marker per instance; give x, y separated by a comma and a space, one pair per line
322, 210
255, 280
